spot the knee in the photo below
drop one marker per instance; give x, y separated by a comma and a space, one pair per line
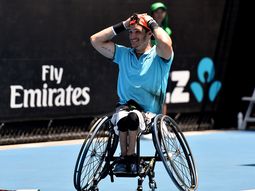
133, 121
122, 125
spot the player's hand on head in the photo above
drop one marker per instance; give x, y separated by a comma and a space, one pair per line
126, 23
145, 16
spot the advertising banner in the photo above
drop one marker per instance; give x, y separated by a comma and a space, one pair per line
49, 69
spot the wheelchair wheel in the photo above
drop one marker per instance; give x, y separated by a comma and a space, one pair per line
91, 128
175, 153
94, 157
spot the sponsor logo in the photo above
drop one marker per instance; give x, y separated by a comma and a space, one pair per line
206, 82
206, 74
49, 96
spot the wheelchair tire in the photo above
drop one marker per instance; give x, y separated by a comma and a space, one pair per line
175, 153
93, 160
91, 128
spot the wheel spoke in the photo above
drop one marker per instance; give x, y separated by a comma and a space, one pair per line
93, 156
183, 169
175, 153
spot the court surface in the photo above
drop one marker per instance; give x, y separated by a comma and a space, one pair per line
225, 162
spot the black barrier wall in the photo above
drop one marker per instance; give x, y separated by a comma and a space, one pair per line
49, 69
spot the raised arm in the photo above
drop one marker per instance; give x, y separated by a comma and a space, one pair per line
101, 41
164, 42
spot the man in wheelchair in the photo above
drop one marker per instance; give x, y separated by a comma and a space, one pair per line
142, 79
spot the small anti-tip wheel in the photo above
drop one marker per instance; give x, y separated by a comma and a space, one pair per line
153, 186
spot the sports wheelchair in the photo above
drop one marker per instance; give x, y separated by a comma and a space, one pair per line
96, 158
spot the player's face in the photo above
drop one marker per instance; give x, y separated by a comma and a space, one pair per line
138, 37
159, 15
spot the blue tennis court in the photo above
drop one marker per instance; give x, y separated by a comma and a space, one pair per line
225, 161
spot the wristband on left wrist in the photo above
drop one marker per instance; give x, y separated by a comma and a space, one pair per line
152, 24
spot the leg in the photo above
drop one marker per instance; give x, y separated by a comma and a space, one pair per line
121, 166
128, 127
123, 143
122, 126
132, 122
133, 125
132, 142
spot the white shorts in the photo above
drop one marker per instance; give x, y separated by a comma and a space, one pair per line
121, 112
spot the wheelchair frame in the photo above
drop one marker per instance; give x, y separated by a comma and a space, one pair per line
163, 127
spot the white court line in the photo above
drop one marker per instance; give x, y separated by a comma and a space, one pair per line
44, 144
21, 190
190, 133
80, 141
248, 190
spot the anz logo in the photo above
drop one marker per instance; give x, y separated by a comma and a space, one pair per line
205, 73
205, 85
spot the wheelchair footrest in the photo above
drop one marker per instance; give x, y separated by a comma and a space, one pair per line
126, 174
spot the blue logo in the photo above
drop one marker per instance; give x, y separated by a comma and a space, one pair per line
205, 73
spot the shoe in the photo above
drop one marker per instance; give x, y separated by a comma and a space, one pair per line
120, 167
133, 168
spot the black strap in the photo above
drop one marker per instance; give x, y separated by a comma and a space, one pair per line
134, 105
